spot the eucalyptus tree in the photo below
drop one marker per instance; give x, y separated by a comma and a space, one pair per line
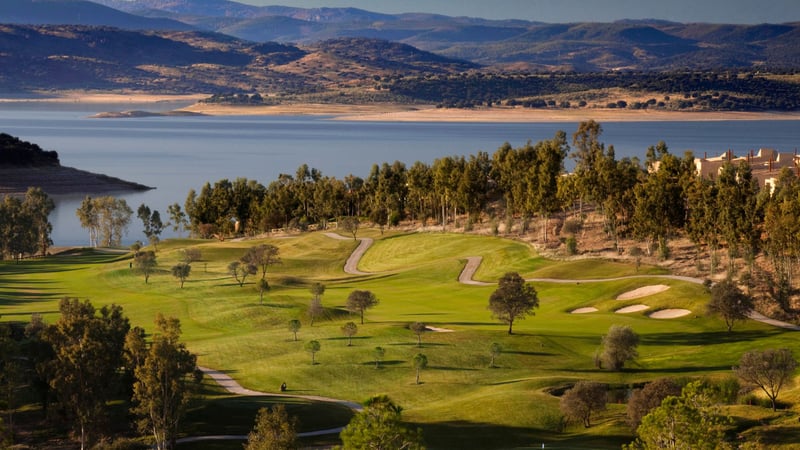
739, 220
419, 362
273, 430
782, 228
163, 383
16, 229
473, 186
543, 188
37, 205
87, 355
151, 224
294, 327
177, 218
660, 209
421, 202
107, 219
704, 210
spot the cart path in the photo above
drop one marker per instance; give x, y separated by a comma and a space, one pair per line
473, 262
230, 385
351, 265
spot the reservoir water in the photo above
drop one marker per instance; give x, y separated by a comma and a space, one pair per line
175, 154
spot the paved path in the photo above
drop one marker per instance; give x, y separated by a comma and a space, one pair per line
230, 385
351, 265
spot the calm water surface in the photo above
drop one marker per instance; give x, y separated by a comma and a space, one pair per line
176, 154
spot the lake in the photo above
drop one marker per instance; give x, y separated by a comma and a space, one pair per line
176, 154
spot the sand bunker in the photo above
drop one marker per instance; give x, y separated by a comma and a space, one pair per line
670, 313
643, 291
631, 309
437, 329
588, 309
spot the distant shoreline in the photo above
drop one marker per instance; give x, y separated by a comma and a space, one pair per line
60, 180
395, 112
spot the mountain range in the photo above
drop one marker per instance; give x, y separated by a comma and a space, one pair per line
500, 44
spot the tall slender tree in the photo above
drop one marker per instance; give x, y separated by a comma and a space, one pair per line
164, 383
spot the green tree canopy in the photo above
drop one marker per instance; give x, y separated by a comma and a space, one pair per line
379, 426
513, 299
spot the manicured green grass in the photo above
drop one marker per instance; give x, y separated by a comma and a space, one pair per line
460, 401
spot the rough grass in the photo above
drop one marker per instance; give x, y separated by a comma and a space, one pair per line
460, 401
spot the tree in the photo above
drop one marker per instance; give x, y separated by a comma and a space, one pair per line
688, 421
241, 270
769, 370
87, 351
379, 426
152, 224
273, 430
106, 218
312, 347
494, 351
419, 362
262, 256
162, 388
582, 400
644, 400
513, 299
349, 329
349, 224
418, 328
619, 346
315, 309
177, 219
191, 254
181, 271
378, 353
730, 302
262, 286
38, 206
359, 301
294, 327
145, 263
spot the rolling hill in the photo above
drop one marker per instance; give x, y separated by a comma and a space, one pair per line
633, 45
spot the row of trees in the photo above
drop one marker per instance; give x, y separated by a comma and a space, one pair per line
24, 225
89, 358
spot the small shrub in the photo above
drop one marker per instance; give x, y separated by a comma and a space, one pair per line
572, 245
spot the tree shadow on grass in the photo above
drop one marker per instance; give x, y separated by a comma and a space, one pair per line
519, 352
707, 337
391, 362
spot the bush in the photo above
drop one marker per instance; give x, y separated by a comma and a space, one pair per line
572, 245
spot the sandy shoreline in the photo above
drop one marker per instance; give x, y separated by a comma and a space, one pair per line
400, 113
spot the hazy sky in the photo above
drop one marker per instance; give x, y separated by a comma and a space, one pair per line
715, 11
